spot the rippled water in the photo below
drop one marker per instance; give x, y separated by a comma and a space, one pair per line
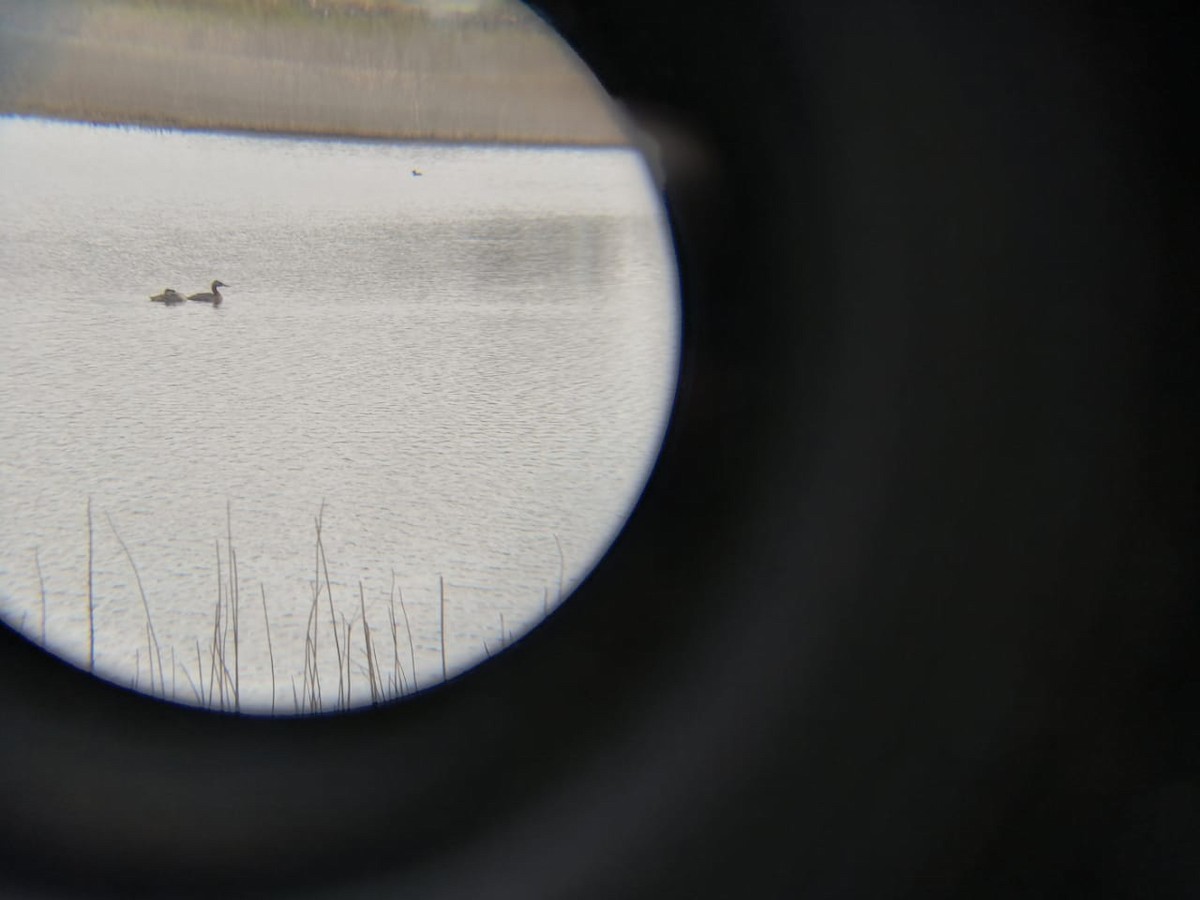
465, 373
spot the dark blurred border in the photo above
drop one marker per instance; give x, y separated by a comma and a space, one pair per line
914, 582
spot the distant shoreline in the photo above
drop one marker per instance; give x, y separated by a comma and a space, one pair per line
243, 131
388, 76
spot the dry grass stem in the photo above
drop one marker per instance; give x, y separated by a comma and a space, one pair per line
442, 621
42, 589
145, 603
91, 599
270, 650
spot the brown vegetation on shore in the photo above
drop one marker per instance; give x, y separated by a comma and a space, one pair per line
367, 68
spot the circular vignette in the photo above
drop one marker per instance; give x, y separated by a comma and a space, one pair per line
887, 564
478, 340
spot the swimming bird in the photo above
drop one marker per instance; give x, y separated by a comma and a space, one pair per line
169, 296
213, 296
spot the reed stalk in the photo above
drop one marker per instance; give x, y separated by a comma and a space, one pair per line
232, 598
379, 691
215, 647
200, 675
224, 614
442, 621
196, 692
235, 599
397, 670
150, 659
412, 653
561, 567
145, 603
222, 687
372, 663
346, 629
91, 600
42, 588
342, 664
310, 649
270, 651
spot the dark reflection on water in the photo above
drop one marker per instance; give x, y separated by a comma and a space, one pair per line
528, 260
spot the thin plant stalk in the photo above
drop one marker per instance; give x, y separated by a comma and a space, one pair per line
200, 675
342, 664
232, 598
91, 599
228, 681
346, 629
145, 603
397, 671
412, 653
442, 621
372, 662
150, 659
42, 586
196, 692
270, 651
224, 613
311, 687
395, 637
378, 690
215, 649
561, 567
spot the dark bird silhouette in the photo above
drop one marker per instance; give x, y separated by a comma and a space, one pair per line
213, 296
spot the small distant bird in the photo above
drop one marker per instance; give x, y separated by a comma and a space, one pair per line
415, 172
213, 296
170, 297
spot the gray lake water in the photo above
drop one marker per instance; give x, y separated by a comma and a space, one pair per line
466, 373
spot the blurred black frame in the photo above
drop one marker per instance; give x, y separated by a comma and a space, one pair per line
914, 579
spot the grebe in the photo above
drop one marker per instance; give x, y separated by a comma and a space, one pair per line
170, 296
213, 296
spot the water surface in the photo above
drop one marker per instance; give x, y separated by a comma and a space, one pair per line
465, 373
